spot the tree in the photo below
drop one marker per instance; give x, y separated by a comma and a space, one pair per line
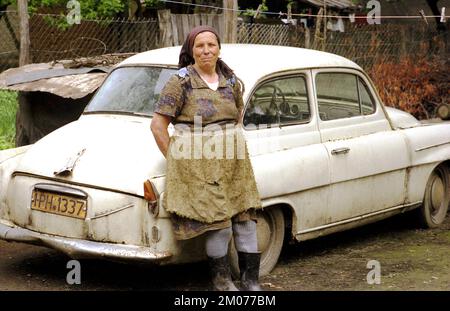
90, 9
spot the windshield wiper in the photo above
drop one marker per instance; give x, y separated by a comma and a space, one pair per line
130, 113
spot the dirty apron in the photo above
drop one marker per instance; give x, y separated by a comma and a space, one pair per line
210, 180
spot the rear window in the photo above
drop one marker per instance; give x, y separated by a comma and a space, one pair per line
130, 89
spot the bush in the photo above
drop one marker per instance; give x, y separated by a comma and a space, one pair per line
8, 108
415, 86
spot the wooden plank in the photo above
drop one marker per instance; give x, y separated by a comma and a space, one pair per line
185, 25
197, 20
307, 38
229, 21
191, 20
173, 21
209, 19
203, 19
180, 29
165, 28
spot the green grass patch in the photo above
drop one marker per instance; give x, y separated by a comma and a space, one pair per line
8, 109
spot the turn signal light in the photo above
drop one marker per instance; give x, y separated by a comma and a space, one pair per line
149, 192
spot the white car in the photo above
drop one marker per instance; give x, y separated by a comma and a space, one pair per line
326, 153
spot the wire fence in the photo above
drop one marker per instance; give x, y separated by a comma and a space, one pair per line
51, 39
364, 44
417, 85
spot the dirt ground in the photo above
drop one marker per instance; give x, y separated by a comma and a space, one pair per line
410, 258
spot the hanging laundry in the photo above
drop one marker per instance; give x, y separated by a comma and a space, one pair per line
351, 17
336, 26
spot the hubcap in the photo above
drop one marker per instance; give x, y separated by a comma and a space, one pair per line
437, 194
263, 230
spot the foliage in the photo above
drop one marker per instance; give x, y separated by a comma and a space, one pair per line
8, 108
251, 12
90, 9
415, 86
4, 3
154, 4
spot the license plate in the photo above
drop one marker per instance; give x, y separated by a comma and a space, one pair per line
58, 204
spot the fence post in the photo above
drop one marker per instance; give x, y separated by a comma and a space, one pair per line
318, 37
165, 28
403, 39
24, 57
230, 20
307, 38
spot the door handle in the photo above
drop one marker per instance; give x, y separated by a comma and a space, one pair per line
342, 150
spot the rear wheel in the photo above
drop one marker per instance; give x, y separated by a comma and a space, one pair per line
270, 231
436, 199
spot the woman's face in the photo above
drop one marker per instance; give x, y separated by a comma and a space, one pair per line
206, 50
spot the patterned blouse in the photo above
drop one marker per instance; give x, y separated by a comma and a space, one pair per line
186, 95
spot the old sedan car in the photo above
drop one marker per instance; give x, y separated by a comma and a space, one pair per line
327, 156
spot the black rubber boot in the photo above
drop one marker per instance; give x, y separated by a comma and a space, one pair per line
221, 274
249, 267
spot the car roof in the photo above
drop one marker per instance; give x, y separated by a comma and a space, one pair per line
252, 62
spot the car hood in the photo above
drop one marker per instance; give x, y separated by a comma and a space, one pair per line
117, 152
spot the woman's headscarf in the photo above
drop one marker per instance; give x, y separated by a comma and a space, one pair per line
186, 58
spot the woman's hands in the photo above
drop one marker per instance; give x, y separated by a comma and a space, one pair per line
159, 127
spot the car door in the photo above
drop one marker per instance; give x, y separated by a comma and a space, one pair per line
290, 163
368, 159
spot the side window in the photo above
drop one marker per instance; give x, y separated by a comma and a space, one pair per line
337, 95
367, 102
279, 102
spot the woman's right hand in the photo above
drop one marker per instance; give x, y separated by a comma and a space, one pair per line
159, 126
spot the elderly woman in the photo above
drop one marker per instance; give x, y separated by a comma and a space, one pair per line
212, 195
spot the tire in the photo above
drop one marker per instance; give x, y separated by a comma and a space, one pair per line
436, 198
270, 231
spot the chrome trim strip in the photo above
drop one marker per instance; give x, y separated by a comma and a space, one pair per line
432, 146
107, 213
61, 189
77, 248
64, 181
346, 221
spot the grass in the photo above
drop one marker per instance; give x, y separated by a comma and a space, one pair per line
8, 108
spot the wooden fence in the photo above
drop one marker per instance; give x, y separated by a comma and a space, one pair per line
174, 28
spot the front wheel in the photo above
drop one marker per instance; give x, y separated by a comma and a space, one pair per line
270, 232
436, 199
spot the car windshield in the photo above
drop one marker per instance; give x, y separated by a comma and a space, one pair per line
132, 90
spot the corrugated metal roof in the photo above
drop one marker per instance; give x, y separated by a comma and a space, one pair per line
66, 78
65, 85
21, 77
340, 4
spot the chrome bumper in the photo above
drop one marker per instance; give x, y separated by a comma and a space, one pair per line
76, 248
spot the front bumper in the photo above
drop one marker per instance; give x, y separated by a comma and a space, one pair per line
76, 248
